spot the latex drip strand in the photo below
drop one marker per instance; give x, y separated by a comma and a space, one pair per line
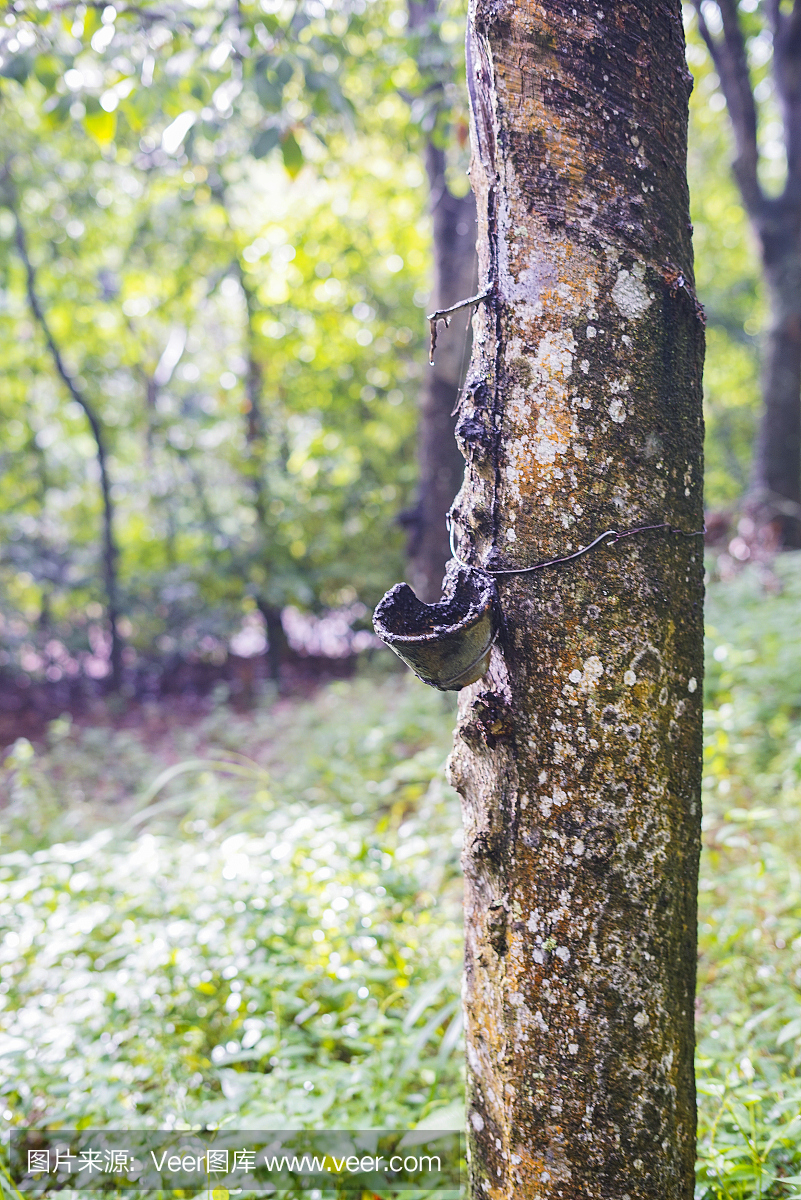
445, 314
612, 534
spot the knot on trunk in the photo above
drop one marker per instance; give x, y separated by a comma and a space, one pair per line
489, 721
476, 440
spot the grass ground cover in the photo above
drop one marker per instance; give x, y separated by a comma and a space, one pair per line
254, 920
749, 996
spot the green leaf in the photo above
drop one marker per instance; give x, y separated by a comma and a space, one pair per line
18, 67
58, 114
92, 22
293, 155
269, 92
284, 69
101, 126
265, 141
316, 81
47, 69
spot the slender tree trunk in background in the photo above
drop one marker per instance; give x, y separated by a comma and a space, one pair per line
255, 438
775, 492
578, 755
776, 475
110, 550
276, 639
441, 465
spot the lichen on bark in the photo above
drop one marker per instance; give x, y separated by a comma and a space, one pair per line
578, 755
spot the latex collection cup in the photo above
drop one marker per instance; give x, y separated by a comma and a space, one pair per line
447, 644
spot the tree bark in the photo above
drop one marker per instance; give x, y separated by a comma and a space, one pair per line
578, 754
441, 464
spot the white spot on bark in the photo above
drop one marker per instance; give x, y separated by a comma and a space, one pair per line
573, 1047
617, 411
591, 331
630, 293
641, 1019
477, 1121
692, 685
585, 365
629, 679
555, 355
587, 679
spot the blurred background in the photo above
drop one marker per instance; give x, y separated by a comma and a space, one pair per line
229, 881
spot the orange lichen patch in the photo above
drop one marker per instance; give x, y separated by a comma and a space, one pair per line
529, 1171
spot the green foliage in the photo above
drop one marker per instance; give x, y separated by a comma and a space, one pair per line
257, 949
225, 217
256, 918
247, 327
225, 212
749, 1007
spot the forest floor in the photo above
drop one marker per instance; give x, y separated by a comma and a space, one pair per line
181, 692
258, 912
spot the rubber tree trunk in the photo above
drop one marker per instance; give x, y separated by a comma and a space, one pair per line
578, 755
774, 498
255, 437
776, 481
441, 464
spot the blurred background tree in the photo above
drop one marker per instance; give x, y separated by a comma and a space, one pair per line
223, 214
755, 52
455, 275
230, 263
